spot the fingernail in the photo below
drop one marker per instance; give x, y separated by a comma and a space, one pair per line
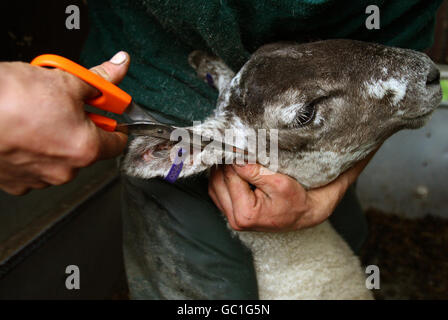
119, 58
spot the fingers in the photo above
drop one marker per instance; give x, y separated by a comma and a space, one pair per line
241, 195
15, 190
332, 193
19, 188
257, 210
219, 193
214, 180
111, 144
278, 202
97, 144
325, 199
113, 71
66, 139
352, 174
247, 204
36, 176
257, 175
56, 174
270, 183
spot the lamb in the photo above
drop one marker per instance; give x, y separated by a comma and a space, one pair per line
333, 102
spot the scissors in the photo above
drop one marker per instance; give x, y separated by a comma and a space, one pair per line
117, 101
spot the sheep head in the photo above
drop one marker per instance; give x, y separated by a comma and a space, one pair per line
332, 102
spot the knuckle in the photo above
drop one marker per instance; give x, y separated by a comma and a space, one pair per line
284, 185
99, 70
62, 80
252, 171
66, 176
243, 222
18, 159
85, 150
21, 192
17, 191
39, 185
234, 226
87, 158
67, 81
61, 176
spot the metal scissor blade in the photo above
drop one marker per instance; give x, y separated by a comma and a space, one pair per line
204, 141
135, 113
163, 131
146, 128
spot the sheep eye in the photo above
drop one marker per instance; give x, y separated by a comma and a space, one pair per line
306, 115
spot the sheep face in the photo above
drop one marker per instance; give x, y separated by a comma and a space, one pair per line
332, 103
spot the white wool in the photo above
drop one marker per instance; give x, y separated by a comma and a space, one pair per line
313, 162
378, 89
318, 120
314, 263
289, 113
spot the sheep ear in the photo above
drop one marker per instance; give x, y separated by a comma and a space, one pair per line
211, 69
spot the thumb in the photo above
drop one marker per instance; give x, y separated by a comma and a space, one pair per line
257, 175
111, 143
113, 71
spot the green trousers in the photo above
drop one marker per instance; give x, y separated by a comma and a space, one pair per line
177, 245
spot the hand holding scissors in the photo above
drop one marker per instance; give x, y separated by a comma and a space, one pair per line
46, 135
113, 99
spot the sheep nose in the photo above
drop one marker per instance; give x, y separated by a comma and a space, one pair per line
433, 76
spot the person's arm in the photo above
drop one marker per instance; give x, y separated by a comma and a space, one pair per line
279, 203
45, 135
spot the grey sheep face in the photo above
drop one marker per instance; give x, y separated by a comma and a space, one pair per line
332, 102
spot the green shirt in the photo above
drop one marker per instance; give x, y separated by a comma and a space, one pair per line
159, 35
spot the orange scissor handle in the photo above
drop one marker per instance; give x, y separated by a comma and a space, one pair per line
103, 122
112, 98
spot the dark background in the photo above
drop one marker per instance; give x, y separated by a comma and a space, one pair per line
35, 27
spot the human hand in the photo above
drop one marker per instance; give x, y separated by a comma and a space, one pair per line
279, 203
45, 133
